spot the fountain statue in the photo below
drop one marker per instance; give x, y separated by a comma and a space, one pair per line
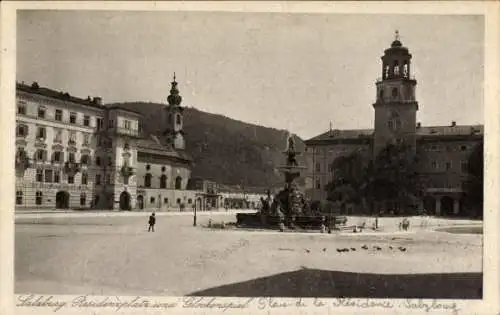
288, 207
291, 198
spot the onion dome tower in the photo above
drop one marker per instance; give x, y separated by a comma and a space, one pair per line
395, 105
174, 118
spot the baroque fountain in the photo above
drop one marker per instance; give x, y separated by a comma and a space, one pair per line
288, 208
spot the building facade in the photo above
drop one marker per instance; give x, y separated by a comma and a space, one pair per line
78, 153
443, 150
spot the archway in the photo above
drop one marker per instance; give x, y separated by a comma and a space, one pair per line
140, 202
447, 206
178, 182
430, 205
124, 201
62, 200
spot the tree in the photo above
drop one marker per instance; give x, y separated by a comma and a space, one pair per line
348, 177
393, 176
474, 188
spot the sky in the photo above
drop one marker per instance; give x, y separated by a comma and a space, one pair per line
287, 71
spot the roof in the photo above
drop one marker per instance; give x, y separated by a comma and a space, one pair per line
154, 146
64, 96
428, 131
343, 134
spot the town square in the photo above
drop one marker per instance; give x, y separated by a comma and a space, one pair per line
158, 157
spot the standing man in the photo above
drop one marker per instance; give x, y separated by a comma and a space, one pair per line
152, 222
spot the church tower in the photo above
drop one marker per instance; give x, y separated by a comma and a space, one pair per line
174, 119
395, 106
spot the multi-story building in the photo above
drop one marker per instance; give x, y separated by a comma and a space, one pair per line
443, 150
79, 153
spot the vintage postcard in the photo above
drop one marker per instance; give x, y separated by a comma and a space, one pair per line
247, 158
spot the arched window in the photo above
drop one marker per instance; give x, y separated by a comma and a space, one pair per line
178, 182
178, 119
163, 181
147, 180
178, 201
98, 161
190, 201
394, 92
41, 155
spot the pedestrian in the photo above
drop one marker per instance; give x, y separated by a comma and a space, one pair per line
152, 222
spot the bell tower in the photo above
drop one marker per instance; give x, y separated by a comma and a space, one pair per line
395, 105
174, 119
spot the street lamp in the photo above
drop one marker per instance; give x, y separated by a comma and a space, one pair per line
194, 214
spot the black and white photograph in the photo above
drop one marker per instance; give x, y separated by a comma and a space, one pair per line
258, 156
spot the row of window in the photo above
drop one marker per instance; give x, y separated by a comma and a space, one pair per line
54, 176
57, 156
434, 165
41, 134
39, 198
394, 125
83, 199
152, 200
72, 118
163, 181
429, 185
58, 115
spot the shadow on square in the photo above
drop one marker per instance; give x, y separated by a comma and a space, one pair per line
332, 284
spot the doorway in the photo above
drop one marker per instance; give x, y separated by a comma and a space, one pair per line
62, 200
124, 201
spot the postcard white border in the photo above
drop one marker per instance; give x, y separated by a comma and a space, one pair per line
491, 10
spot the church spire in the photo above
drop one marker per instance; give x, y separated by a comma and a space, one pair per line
174, 98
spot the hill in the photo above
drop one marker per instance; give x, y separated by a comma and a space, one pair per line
225, 150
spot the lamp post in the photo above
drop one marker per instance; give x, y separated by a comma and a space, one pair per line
194, 214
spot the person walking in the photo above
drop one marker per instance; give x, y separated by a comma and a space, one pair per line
152, 222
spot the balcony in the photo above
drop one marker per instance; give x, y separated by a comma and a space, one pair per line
119, 131
40, 142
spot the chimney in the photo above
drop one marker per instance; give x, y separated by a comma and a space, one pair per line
97, 100
419, 125
330, 131
453, 123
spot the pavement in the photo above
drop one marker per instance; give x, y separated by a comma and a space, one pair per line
114, 254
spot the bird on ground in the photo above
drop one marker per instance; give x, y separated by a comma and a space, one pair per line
324, 249
378, 248
308, 251
353, 249
390, 247
402, 249
339, 250
364, 247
